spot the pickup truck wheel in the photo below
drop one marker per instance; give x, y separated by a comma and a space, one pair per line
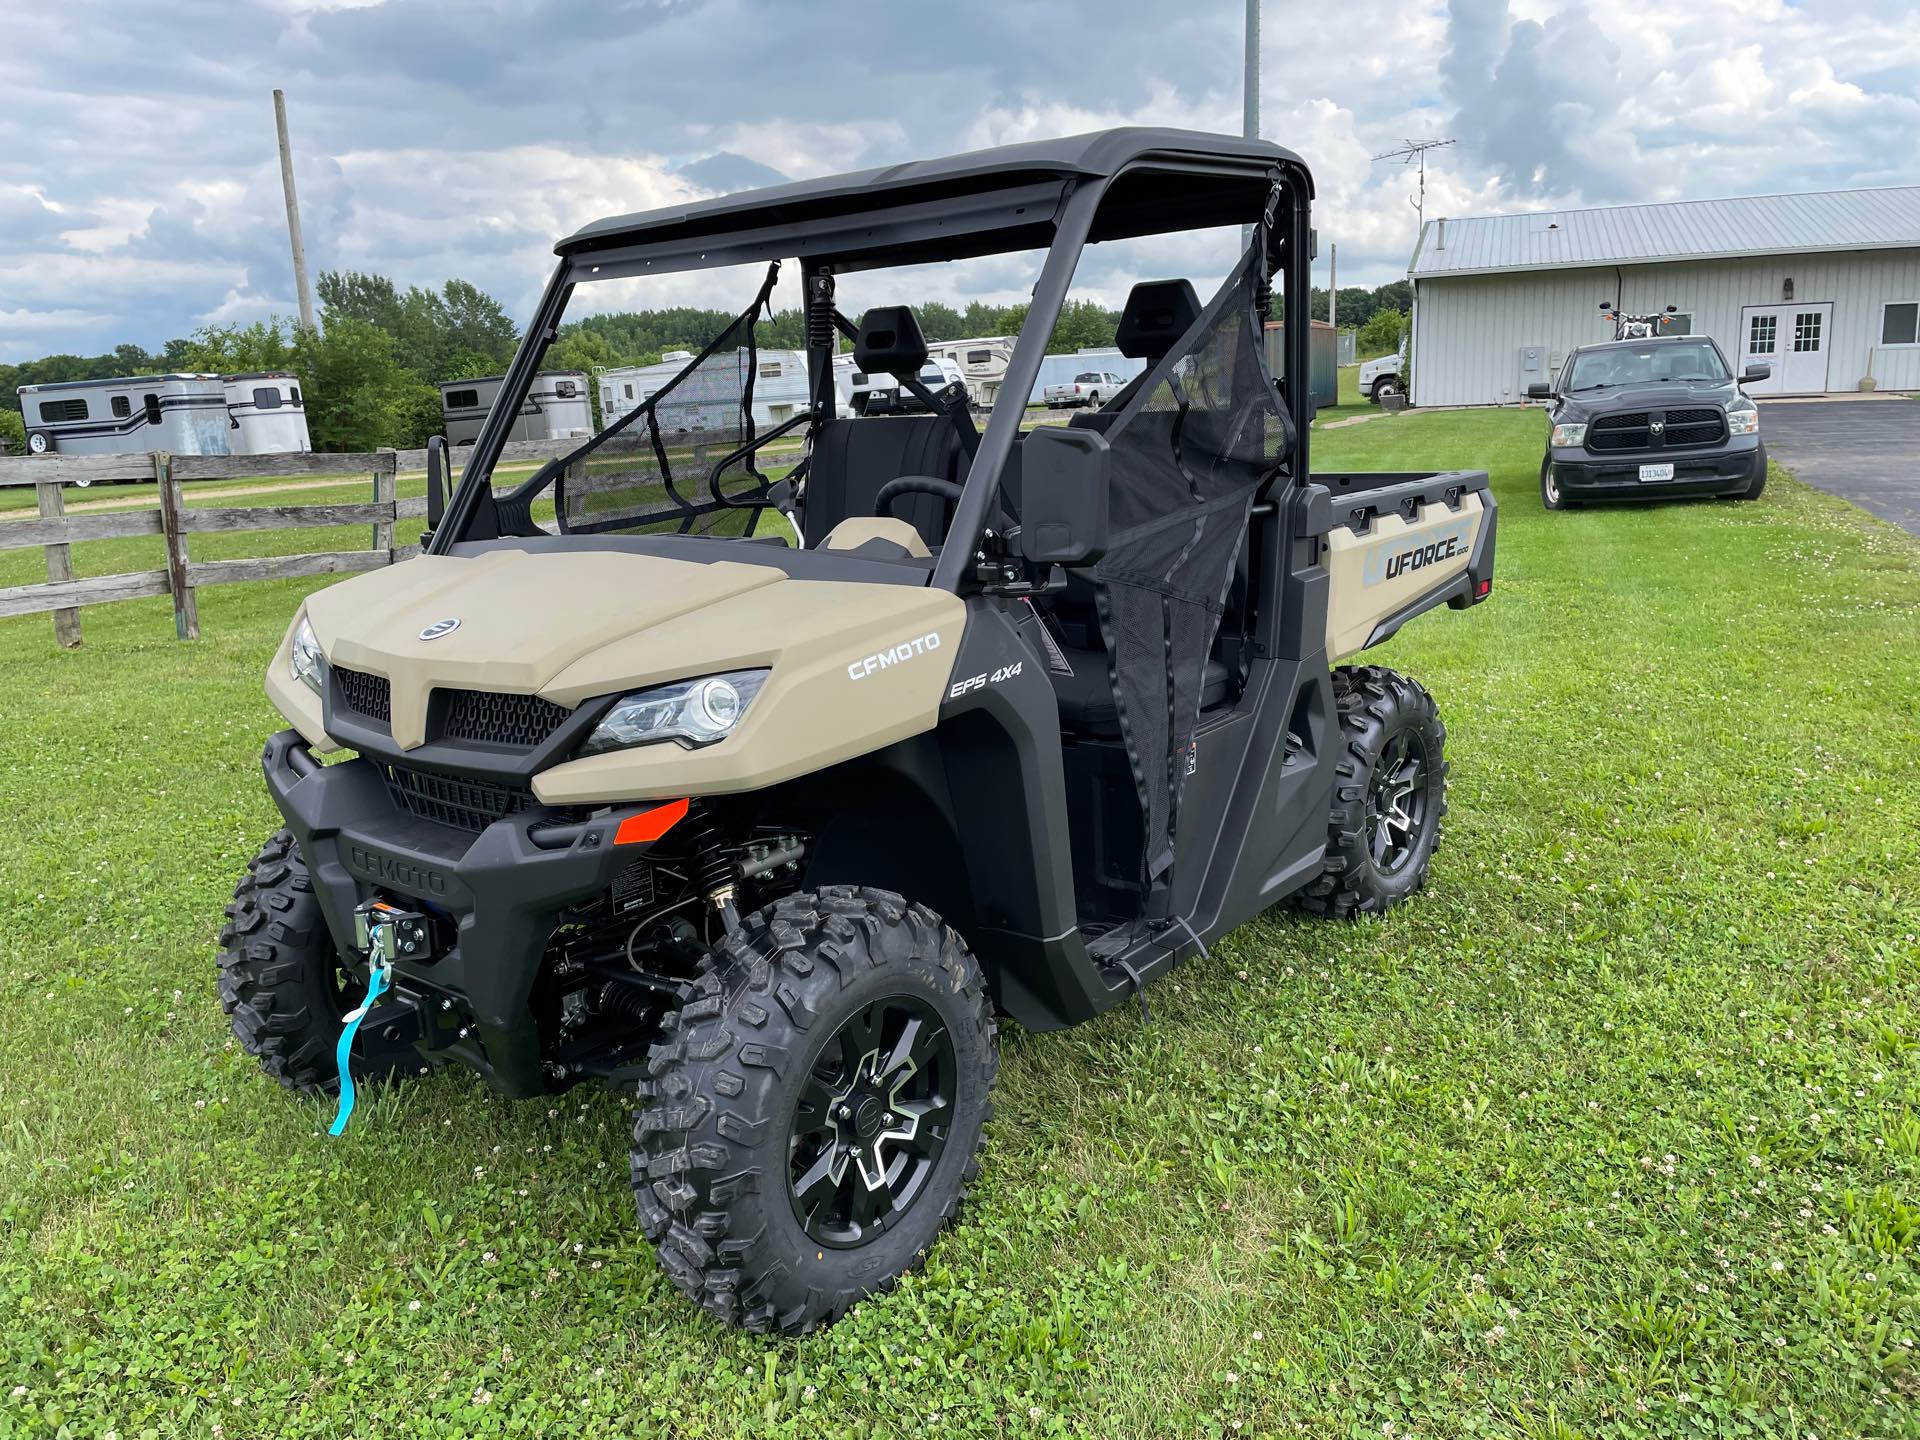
1389, 795
1759, 485
815, 1109
281, 981
1551, 496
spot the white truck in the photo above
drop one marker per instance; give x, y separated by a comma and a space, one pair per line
1384, 375
1091, 388
878, 394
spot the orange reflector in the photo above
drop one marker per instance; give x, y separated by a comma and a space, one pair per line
650, 824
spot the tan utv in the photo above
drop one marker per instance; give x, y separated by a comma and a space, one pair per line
761, 769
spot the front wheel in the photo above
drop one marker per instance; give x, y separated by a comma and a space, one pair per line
282, 983
1386, 385
1551, 495
1759, 485
1389, 794
816, 1108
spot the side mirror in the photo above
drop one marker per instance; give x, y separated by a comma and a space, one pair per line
1606, 305
1755, 372
1064, 476
436, 481
1539, 390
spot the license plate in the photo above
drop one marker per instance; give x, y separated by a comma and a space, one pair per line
1656, 472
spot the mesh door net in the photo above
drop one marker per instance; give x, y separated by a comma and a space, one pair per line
679, 462
1190, 452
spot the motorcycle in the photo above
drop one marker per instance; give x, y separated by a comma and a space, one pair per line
1636, 327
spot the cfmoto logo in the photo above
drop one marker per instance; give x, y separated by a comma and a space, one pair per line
439, 628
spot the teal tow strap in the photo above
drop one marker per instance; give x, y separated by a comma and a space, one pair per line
376, 987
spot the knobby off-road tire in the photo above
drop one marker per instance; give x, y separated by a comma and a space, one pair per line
1389, 795
281, 982
742, 1090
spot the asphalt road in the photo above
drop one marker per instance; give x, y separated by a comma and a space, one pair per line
1866, 451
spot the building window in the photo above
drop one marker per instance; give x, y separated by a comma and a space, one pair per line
462, 399
151, 403
629, 389
1806, 331
1900, 323
1760, 334
122, 407
266, 397
52, 412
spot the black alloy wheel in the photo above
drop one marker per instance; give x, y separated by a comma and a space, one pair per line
1397, 808
871, 1122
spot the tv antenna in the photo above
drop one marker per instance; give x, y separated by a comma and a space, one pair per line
1414, 152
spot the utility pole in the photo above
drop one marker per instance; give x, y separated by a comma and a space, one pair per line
1250, 114
1333, 290
293, 212
1411, 152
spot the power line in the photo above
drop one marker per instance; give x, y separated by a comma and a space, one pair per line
1415, 152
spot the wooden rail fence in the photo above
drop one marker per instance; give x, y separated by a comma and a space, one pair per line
170, 518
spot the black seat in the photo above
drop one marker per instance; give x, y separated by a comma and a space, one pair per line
853, 458
1157, 313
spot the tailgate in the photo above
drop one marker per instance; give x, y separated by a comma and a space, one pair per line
1401, 544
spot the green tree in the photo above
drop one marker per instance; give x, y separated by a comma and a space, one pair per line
13, 433
358, 396
358, 296
1380, 335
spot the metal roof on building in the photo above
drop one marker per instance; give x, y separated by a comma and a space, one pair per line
1682, 230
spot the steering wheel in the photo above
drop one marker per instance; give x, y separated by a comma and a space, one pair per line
914, 485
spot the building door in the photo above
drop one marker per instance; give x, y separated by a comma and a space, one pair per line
1794, 340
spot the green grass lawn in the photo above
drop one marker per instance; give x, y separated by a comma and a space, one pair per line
1614, 1130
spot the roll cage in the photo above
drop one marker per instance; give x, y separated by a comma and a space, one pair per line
1058, 195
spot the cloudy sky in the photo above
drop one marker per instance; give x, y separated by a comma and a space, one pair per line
140, 195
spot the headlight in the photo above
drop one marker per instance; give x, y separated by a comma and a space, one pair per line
694, 712
1743, 418
304, 658
1569, 435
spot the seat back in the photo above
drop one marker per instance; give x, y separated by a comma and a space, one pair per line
1157, 313
853, 458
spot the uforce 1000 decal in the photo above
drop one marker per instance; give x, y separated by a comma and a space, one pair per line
894, 655
1389, 561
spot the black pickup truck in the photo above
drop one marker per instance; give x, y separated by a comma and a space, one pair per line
1650, 419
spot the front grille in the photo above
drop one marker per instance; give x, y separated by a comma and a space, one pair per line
488, 717
1705, 426
1633, 430
454, 800
1620, 432
367, 695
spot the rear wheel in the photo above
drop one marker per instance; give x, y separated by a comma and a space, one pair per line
39, 442
1389, 795
815, 1109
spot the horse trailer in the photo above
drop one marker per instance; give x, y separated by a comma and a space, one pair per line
268, 416
710, 398
184, 414
559, 406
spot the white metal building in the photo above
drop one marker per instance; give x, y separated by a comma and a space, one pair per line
1824, 288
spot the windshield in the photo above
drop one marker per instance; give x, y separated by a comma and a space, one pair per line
1612, 366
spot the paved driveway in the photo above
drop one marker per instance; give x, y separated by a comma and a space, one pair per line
1866, 451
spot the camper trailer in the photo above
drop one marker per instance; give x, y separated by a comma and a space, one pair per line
559, 406
266, 413
982, 362
709, 399
184, 414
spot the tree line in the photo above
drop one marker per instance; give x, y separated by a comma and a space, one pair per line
370, 369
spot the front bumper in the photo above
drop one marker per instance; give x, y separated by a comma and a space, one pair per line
498, 892
1583, 475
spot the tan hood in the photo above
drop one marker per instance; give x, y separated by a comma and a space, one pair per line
573, 626
523, 618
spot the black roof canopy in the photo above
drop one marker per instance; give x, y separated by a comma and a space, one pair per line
980, 203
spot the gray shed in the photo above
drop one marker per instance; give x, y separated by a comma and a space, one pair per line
1824, 288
